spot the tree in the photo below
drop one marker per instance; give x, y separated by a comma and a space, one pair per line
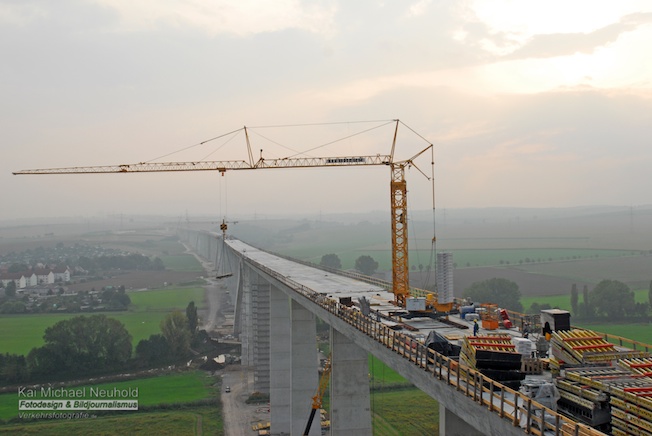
158, 264
574, 299
499, 291
13, 368
588, 309
10, 290
366, 265
18, 268
649, 294
536, 308
115, 299
331, 261
613, 299
153, 350
193, 319
84, 344
176, 332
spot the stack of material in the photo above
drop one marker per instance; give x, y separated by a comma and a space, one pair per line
495, 356
523, 346
581, 347
631, 406
639, 366
584, 393
604, 396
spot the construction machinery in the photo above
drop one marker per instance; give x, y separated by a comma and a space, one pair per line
398, 194
321, 390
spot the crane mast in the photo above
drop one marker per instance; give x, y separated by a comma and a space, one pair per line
400, 266
398, 190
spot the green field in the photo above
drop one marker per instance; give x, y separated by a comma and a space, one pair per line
350, 250
405, 412
175, 388
640, 332
382, 375
168, 423
563, 301
517, 256
21, 333
166, 299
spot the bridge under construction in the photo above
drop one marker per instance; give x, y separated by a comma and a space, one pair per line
277, 303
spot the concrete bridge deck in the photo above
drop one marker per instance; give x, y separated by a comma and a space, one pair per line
278, 300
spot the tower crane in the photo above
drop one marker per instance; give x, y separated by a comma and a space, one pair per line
398, 189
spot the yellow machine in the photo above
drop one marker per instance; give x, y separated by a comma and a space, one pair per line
321, 390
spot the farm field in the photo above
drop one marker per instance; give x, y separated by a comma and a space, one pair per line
641, 332
167, 389
382, 375
21, 333
563, 301
404, 412
166, 299
190, 422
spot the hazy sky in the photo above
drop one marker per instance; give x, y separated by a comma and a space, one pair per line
528, 103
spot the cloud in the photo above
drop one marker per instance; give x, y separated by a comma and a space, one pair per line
240, 18
563, 44
20, 14
419, 8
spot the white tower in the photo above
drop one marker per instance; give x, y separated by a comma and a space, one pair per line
445, 291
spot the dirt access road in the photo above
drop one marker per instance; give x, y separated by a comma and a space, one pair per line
239, 417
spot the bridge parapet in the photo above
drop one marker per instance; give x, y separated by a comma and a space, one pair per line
509, 405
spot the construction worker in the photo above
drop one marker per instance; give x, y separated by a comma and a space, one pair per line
476, 327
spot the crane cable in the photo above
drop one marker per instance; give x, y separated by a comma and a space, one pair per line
433, 248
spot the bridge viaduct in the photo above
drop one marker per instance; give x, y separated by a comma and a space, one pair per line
277, 303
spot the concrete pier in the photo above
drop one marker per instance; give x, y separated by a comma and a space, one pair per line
304, 369
350, 402
280, 369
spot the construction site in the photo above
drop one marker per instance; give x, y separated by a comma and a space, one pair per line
535, 374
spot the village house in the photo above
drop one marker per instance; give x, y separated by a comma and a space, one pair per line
38, 276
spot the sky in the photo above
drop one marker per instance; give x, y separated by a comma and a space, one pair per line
526, 103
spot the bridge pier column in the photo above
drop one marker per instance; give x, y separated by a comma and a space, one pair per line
305, 377
261, 328
350, 402
280, 353
242, 323
452, 425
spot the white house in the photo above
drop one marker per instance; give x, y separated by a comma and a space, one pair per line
61, 274
18, 278
44, 276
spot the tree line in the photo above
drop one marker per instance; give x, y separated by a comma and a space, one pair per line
132, 261
364, 264
97, 344
609, 299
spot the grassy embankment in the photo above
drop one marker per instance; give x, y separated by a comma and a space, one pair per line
154, 395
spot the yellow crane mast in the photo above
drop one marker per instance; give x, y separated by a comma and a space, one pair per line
398, 189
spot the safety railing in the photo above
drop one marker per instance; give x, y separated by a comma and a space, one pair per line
507, 403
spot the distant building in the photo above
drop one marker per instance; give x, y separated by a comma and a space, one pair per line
61, 274
17, 278
35, 277
44, 276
